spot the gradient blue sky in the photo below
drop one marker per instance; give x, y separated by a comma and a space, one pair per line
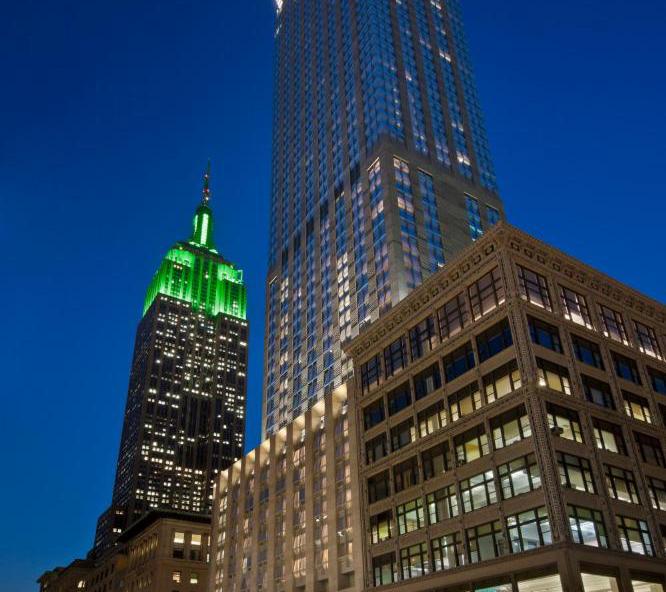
108, 112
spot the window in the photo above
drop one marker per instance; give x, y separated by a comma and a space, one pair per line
376, 449
471, 445
574, 306
647, 340
485, 542
410, 516
494, 340
465, 401
487, 294
176, 577
650, 449
626, 368
608, 436
448, 552
422, 338
635, 536
529, 530
587, 527
564, 422
510, 427
545, 334
427, 382
658, 380
534, 288
657, 489
384, 569
370, 374
380, 527
194, 578
551, 583
435, 461
613, 324
399, 399
502, 381
402, 435
459, 362
395, 357
178, 545
652, 586
587, 352
621, 484
598, 392
597, 583
414, 561
553, 376
374, 414
453, 317
637, 407
519, 476
432, 419
378, 487
478, 491
493, 215
405, 475
442, 504
575, 473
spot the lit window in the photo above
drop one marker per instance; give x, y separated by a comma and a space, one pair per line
647, 340
176, 577
534, 288
613, 324
635, 536
575, 307
194, 578
587, 527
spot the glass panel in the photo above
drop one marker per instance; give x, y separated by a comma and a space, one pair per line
639, 586
544, 584
594, 583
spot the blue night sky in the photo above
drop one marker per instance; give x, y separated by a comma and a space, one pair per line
108, 113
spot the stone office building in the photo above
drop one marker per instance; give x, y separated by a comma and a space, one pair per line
505, 432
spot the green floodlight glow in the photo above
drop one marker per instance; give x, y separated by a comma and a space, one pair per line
194, 272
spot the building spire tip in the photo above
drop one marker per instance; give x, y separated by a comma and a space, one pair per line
205, 197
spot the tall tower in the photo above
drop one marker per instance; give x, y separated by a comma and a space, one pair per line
185, 413
381, 171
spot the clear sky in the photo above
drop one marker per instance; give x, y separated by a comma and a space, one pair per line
108, 112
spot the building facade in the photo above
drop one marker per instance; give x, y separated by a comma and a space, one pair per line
185, 414
511, 414
381, 172
164, 551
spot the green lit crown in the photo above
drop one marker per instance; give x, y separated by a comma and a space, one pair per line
194, 272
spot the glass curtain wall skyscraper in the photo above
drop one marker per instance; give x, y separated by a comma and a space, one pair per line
381, 171
185, 413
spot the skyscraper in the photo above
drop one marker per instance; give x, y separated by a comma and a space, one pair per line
185, 412
381, 171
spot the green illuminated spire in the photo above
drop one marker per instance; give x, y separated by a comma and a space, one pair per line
194, 272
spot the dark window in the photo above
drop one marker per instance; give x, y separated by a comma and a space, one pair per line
376, 449
510, 427
494, 340
402, 435
626, 368
575, 472
453, 317
608, 436
459, 362
621, 484
598, 392
395, 357
380, 527
379, 487
406, 474
587, 352
575, 307
384, 569
399, 399
374, 414
545, 334
465, 401
534, 288
486, 294
370, 374
435, 461
422, 338
658, 380
647, 341
613, 324
471, 445
427, 381
650, 449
